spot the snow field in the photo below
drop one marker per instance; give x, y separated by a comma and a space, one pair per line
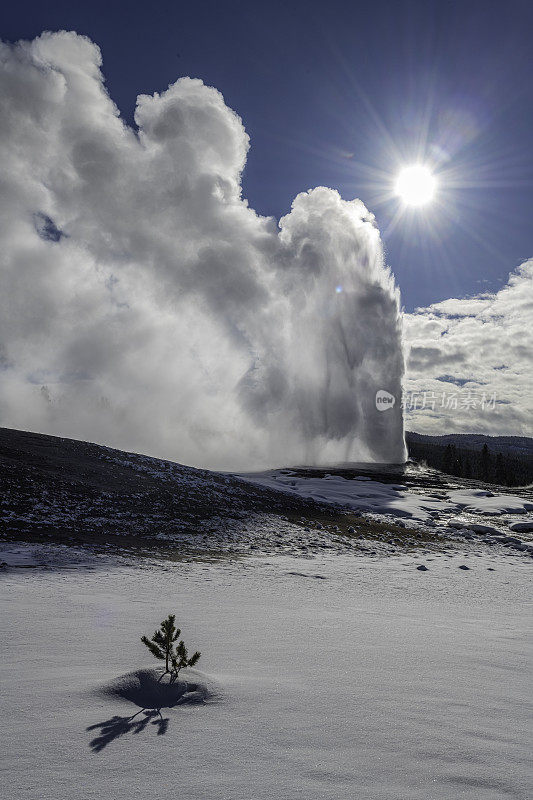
331, 678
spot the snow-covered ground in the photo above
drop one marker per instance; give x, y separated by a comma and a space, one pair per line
82, 494
363, 635
444, 512
331, 677
361, 493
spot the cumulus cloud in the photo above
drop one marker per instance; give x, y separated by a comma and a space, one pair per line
470, 365
146, 306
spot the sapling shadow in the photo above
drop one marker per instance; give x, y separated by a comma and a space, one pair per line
118, 726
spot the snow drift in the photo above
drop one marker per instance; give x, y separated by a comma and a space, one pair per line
146, 306
147, 688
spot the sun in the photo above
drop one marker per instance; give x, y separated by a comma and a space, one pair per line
416, 185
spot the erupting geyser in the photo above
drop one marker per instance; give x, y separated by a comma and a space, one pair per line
151, 309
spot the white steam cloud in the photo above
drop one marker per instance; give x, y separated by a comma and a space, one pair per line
143, 303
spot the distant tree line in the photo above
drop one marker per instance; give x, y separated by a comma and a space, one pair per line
485, 465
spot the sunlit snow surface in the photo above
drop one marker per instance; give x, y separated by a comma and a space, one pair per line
363, 494
332, 677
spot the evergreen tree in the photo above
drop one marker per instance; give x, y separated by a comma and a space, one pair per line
447, 460
163, 646
500, 471
514, 468
485, 463
455, 466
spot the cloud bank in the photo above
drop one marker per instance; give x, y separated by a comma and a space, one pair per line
144, 305
470, 364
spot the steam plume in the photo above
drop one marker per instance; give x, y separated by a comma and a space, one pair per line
144, 305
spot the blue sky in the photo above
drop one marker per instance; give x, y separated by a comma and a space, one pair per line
342, 94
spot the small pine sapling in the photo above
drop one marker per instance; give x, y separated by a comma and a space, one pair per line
163, 646
180, 659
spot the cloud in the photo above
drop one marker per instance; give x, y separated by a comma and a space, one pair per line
146, 306
487, 343
422, 358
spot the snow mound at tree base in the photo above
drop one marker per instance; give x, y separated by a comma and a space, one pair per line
147, 688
